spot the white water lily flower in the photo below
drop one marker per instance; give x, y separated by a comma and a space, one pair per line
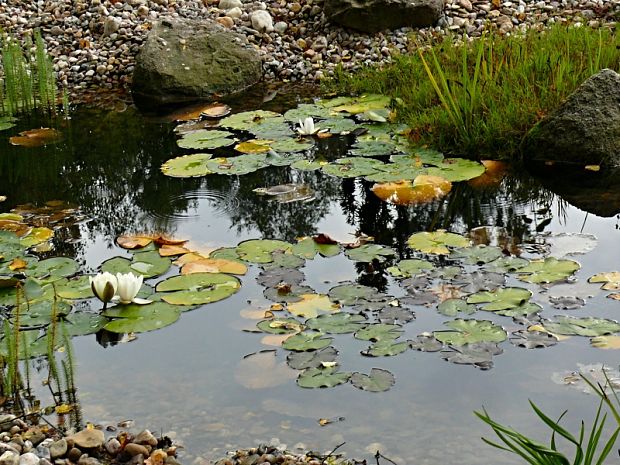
128, 287
103, 286
306, 127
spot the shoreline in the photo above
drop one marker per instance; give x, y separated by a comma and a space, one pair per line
93, 43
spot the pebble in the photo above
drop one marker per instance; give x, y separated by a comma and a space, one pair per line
93, 43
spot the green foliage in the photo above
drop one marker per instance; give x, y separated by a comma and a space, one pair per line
27, 79
481, 98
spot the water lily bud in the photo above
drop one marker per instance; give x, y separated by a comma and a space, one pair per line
103, 286
128, 286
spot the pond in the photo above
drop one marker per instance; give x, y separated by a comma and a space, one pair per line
193, 380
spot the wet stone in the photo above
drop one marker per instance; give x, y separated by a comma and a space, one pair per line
74, 454
9, 458
88, 438
133, 449
58, 449
146, 437
29, 459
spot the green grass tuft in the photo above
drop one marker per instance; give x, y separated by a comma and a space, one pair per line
480, 99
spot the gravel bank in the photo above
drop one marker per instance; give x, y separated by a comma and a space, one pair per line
94, 42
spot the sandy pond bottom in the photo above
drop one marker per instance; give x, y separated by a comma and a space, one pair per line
189, 380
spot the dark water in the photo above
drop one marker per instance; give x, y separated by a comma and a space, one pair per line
181, 380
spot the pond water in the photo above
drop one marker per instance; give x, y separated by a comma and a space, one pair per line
190, 379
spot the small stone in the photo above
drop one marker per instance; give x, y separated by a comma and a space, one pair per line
113, 446
28, 459
134, 449
145, 438
74, 454
58, 449
136, 460
9, 458
86, 460
110, 26
56, 30
226, 21
280, 27
261, 21
235, 12
295, 7
229, 4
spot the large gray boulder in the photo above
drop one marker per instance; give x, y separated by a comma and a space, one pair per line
584, 130
376, 15
184, 60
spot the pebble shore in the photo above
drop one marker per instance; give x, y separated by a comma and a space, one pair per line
93, 43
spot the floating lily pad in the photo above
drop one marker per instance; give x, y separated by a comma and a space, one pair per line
282, 259
337, 323
198, 288
524, 310
52, 269
308, 165
306, 110
338, 125
477, 255
410, 267
352, 167
385, 348
452, 307
260, 250
40, 313
426, 343
355, 105
479, 281
564, 244
611, 280
457, 169
470, 332
312, 359
308, 247
377, 381
506, 265
307, 341
312, 305
283, 159
422, 189
379, 332
587, 326
548, 270
7, 122
597, 373
419, 156
369, 252
479, 354
351, 294
215, 265
291, 146
239, 165
280, 326
394, 173
134, 318
567, 302
500, 299
322, 378
148, 264
372, 148
76, 288
606, 342
36, 236
533, 339
206, 139
287, 293
36, 137
437, 242
83, 323
272, 277
391, 315
187, 166
250, 120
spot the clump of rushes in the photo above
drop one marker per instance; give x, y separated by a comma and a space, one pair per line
479, 99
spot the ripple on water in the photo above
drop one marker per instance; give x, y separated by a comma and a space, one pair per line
194, 204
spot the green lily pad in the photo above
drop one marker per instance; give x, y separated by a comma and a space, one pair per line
338, 125
148, 264
76, 288
352, 167
308, 165
477, 255
307, 110
284, 158
307, 341
311, 305
426, 343
457, 169
40, 313
386, 348
436, 242
283, 259
372, 148
313, 378
351, 294
361, 104
392, 314
308, 248
36, 236
239, 165
53, 269
187, 166
478, 354
476, 281
452, 307
206, 139
31, 345
7, 122
291, 146
533, 339
141, 318
500, 299
410, 267
369, 252
274, 276
548, 270
251, 120
337, 323
287, 294
280, 326
260, 250
588, 326
312, 359
83, 323
391, 172
523, 310
198, 288
377, 381
227, 253
469, 332
419, 156
379, 332
506, 265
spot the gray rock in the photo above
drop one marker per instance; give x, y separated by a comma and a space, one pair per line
28, 459
86, 460
145, 438
584, 130
88, 438
9, 458
261, 21
234, 12
229, 4
110, 26
8, 447
113, 446
58, 449
377, 15
183, 60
